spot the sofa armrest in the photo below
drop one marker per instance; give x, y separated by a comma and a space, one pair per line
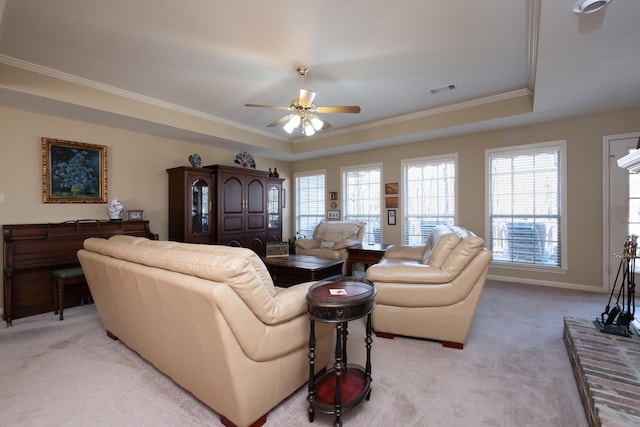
407, 272
308, 243
404, 251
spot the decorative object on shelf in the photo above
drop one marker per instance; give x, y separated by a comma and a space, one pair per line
115, 209
275, 173
135, 215
270, 174
195, 160
73, 172
292, 242
245, 160
277, 249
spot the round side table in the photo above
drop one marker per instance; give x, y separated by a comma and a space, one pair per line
345, 385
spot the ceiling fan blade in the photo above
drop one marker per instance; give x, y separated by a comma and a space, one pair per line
280, 121
279, 107
339, 109
306, 97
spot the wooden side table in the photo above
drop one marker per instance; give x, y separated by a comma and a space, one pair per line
345, 385
365, 254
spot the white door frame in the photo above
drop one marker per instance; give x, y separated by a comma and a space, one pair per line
606, 249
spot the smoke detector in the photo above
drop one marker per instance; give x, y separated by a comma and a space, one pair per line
589, 6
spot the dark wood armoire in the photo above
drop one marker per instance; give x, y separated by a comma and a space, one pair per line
225, 205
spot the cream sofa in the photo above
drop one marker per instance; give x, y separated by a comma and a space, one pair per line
330, 240
431, 291
209, 317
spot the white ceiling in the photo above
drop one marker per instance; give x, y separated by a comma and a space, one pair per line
512, 62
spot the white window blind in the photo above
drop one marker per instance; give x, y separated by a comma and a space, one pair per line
429, 196
525, 204
310, 202
361, 201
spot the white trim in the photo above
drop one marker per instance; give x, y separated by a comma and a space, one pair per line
343, 201
529, 148
403, 194
606, 249
547, 283
295, 198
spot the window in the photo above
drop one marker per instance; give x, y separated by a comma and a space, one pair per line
361, 198
526, 200
429, 196
310, 201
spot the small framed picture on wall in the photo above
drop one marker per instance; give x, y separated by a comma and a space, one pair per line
333, 214
391, 217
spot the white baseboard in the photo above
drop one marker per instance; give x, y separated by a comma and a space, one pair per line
548, 283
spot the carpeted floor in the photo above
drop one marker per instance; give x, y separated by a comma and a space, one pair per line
513, 371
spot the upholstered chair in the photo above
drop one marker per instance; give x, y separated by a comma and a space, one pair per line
431, 291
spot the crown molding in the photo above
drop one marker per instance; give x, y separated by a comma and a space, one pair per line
70, 78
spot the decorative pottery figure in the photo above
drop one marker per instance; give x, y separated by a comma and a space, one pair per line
195, 160
115, 208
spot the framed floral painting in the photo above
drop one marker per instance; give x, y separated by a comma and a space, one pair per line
73, 172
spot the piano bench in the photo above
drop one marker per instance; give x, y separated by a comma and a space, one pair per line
61, 278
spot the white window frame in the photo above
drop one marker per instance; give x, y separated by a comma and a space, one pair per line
561, 146
347, 216
404, 202
299, 198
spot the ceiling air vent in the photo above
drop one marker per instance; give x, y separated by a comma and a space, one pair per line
443, 88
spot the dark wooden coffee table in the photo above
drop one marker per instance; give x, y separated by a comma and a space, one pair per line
294, 269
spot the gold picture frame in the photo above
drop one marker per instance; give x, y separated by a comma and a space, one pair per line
391, 202
391, 188
73, 172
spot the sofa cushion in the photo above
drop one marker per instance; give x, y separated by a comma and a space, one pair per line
463, 254
222, 264
253, 258
443, 241
337, 231
308, 243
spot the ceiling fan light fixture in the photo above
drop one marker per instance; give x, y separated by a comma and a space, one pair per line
293, 123
317, 122
589, 6
308, 128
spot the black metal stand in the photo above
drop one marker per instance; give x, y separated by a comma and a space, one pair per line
617, 320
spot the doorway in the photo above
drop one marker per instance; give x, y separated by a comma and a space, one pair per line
621, 202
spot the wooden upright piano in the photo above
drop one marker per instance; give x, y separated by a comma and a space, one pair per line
33, 251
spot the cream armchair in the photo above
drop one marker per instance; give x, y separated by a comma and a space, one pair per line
330, 240
431, 291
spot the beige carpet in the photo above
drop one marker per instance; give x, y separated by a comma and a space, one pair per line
513, 371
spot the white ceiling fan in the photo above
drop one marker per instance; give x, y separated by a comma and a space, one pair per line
304, 111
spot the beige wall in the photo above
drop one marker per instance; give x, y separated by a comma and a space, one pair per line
584, 187
136, 165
